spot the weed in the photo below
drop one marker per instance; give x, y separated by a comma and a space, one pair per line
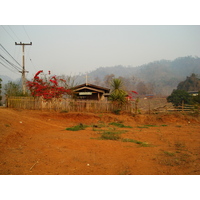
150, 125
174, 159
179, 145
7, 125
147, 126
142, 127
163, 125
110, 135
125, 172
169, 153
120, 125
143, 144
117, 112
77, 128
63, 111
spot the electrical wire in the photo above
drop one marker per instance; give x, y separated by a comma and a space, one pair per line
26, 32
8, 68
9, 54
14, 33
16, 67
7, 33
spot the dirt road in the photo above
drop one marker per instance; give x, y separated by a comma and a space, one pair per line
36, 142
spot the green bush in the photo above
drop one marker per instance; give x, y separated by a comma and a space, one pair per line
119, 125
178, 97
77, 128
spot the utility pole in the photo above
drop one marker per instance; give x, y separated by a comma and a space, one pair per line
23, 66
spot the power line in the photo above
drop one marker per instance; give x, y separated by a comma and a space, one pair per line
7, 33
26, 32
13, 32
8, 68
9, 54
16, 67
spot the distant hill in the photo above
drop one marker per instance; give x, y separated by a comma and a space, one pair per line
192, 83
158, 77
5, 79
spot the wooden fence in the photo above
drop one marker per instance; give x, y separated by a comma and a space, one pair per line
156, 105
66, 105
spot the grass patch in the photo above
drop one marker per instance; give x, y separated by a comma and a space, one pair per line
142, 126
110, 136
151, 125
179, 145
77, 128
172, 159
120, 125
143, 144
63, 111
169, 153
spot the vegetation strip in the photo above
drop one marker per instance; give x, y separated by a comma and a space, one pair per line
77, 128
120, 125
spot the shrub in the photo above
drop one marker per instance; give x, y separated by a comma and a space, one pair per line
178, 97
77, 128
119, 125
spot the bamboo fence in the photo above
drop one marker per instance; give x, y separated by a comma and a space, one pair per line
69, 105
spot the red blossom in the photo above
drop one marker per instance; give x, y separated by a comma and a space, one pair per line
38, 73
39, 87
135, 92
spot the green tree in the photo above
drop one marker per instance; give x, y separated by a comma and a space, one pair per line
196, 99
178, 97
13, 89
118, 95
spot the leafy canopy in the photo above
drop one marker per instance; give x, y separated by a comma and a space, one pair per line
178, 97
118, 95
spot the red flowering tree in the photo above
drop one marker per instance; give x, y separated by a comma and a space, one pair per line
131, 95
47, 88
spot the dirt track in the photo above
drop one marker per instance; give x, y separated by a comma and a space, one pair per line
35, 142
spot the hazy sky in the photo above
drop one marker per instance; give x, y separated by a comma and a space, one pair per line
66, 49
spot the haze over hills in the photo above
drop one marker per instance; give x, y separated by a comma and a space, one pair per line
158, 77
5, 78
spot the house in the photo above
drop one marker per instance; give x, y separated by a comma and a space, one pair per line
88, 91
193, 93
149, 96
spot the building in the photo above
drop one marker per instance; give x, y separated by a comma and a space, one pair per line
88, 91
193, 93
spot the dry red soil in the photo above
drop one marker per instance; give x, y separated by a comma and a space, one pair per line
37, 142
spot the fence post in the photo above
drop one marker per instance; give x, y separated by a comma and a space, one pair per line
182, 105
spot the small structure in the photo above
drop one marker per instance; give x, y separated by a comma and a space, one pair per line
193, 93
88, 91
149, 96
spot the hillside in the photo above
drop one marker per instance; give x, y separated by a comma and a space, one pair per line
158, 77
5, 79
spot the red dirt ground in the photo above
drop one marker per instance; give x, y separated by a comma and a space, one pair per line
37, 143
